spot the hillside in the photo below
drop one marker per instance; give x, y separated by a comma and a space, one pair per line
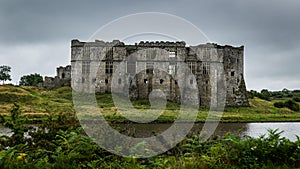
35, 102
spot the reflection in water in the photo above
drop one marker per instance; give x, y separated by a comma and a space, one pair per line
251, 129
291, 129
147, 130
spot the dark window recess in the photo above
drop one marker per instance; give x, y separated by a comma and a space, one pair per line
161, 81
109, 67
145, 81
119, 81
232, 73
233, 90
193, 67
85, 67
149, 71
83, 80
149, 67
109, 54
205, 68
176, 82
106, 81
191, 81
206, 82
130, 80
63, 75
131, 67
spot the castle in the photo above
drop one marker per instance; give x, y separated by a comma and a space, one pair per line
154, 65
146, 66
62, 78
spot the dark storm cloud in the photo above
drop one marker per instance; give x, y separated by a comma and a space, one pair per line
268, 29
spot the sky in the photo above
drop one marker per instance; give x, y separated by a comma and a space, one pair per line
35, 35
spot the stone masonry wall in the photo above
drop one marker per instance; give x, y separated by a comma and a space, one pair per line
144, 67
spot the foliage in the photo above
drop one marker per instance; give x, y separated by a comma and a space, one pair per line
265, 94
61, 143
279, 104
31, 80
4, 73
296, 99
291, 104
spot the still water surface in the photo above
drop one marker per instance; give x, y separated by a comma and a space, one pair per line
251, 129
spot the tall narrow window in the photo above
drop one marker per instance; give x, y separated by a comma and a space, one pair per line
109, 66
172, 69
149, 67
85, 67
206, 55
131, 67
205, 68
109, 54
192, 66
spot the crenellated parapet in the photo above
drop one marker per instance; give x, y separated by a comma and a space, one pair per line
161, 44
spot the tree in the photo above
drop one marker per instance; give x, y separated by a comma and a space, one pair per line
265, 95
31, 80
4, 73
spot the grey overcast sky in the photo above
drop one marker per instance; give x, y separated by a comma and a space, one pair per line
35, 34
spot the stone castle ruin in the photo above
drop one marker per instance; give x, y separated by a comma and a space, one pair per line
62, 78
171, 67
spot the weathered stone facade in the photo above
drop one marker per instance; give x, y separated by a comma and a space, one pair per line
62, 78
146, 66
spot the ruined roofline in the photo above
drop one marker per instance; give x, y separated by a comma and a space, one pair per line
215, 45
77, 43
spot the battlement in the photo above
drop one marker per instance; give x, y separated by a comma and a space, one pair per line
159, 44
162, 44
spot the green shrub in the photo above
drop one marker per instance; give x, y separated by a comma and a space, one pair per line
251, 94
279, 104
292, 105
296, 99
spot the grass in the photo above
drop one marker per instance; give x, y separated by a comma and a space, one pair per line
38, 103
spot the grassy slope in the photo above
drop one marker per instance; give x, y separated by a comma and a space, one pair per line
36, 102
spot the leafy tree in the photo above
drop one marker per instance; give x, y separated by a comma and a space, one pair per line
31, 80
4, 73
265, 95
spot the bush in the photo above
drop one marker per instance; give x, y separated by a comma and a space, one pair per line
296, 99
279, 104
292, 105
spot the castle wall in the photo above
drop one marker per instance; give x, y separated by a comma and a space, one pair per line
141, 68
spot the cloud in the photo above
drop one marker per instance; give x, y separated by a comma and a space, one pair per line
37, 30
34, 58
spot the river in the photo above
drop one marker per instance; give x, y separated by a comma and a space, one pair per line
291, 129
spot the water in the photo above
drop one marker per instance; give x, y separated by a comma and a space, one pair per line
5, 131
291, 129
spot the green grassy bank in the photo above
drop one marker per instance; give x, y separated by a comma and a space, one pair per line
38, 104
